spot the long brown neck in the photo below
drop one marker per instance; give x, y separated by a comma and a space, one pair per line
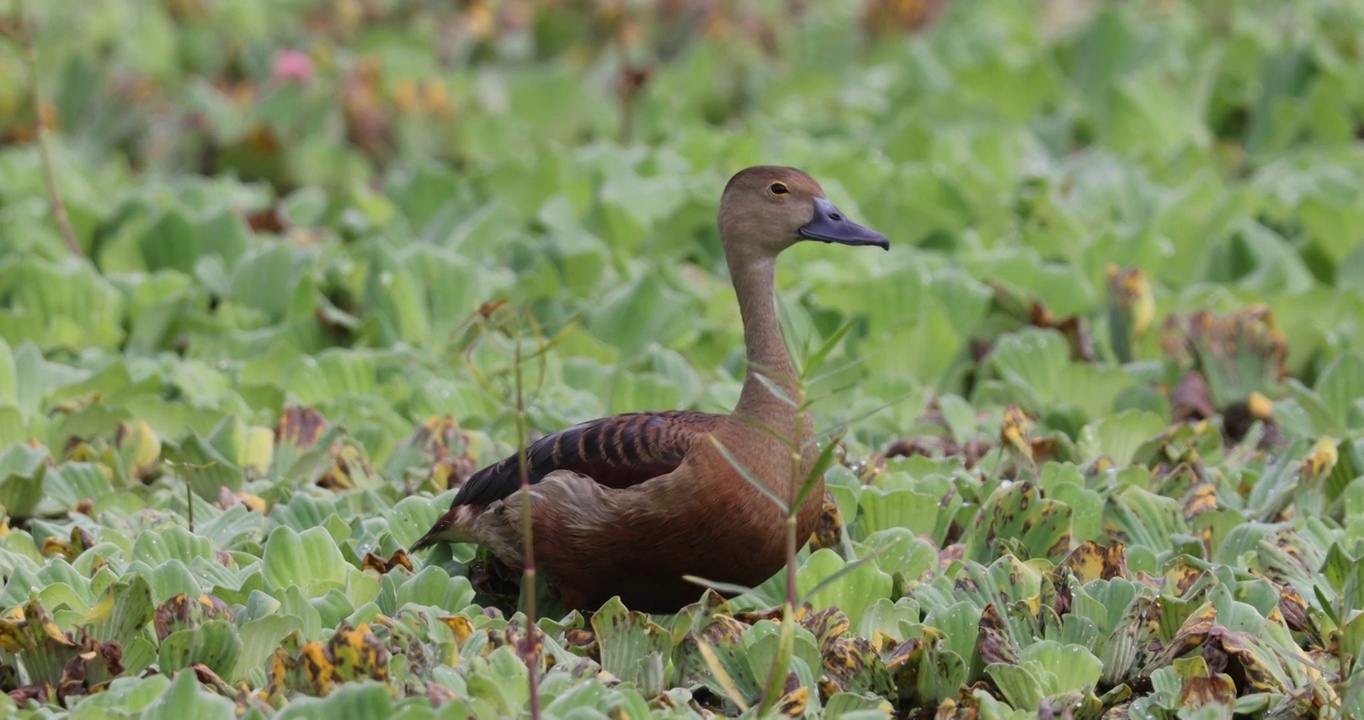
754, 285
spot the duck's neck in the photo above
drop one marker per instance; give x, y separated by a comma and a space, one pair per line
767, 355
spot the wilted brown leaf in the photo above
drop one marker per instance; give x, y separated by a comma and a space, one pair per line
724, 630
140, 448
38, 616
1239, 357
1180, 575
993, 643
1189, 400
278, 671
356, 653
950, 554
1131, 308
382, 566
59, 546
459, 625
72, 682
349, 469
300, 427
1293, 608
1031, 311
14, 635
794, 703
933, 446
826, 624
317, 667
905, 654
368, 121
443, 448
829, 531
1200, 499
1092, 561
582, 641
227, 498
211, 679
776, 613
881, 17
180, 611
1191, 636
851, 663
42, 693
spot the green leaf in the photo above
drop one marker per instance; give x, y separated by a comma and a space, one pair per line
906, 554
715, 656
880, 510
9, 376
309, 560
640, 312
259, 638
175, 543
350, 701
22, 470
433, 588
1062, 668
203, 466
171, 243
266, 279
853, 591
185, 697
1094, 389
848, 705
1032, 360
1015, 516
71, 483
123, 611
633, 648
67, 305
1144, 518
1018, 683
1341, 386
1120, 436
214, 643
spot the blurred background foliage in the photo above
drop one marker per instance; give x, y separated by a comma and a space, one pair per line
261, 189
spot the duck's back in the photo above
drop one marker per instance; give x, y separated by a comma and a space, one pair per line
617, 451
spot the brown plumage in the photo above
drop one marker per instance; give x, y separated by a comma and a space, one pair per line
628, 504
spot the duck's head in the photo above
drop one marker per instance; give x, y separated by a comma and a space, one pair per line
766, 209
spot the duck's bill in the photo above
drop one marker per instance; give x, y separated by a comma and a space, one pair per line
831, 226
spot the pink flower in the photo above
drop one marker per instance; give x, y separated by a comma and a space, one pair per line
293, 66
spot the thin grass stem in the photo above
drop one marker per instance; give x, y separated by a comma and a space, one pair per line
54, 195
529, 648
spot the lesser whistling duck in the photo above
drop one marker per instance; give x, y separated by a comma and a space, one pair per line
628, 504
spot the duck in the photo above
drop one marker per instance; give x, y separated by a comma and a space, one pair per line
631, 505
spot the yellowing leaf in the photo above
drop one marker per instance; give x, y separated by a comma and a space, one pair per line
258, 452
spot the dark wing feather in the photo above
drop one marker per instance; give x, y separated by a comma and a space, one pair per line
617, 451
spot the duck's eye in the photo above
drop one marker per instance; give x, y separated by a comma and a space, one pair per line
778, 188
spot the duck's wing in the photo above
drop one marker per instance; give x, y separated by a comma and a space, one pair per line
618, 451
